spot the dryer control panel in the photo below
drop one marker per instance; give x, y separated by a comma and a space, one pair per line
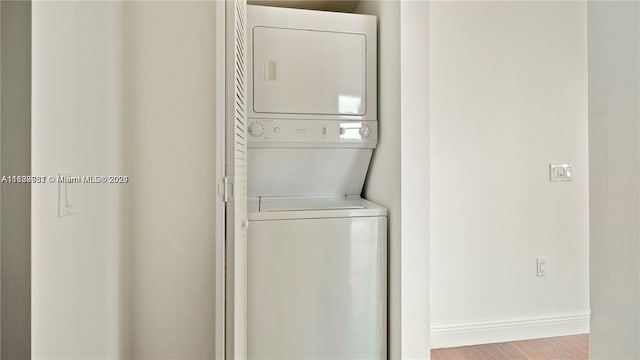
317, 133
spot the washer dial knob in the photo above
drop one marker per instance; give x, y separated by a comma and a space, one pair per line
256, 129
365, 131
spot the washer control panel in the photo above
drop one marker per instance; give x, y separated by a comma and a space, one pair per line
276, 133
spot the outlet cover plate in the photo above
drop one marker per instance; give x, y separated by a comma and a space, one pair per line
542, 266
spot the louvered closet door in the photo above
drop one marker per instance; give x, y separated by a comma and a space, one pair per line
236, 170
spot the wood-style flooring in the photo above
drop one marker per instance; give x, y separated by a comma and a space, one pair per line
575, 347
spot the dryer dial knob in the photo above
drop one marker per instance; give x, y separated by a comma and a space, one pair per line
255, 129
365, 131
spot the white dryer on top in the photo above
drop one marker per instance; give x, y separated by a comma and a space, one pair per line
311, 65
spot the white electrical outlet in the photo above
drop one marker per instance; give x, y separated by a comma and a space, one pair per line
542, 266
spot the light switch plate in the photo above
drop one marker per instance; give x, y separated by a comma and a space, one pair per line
65, 199
542, 264
560, 172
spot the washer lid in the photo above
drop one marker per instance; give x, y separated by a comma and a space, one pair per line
280, 208
289, 204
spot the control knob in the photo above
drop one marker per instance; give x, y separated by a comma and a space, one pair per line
255, 129
365, 131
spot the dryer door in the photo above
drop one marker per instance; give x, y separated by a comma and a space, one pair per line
298, 72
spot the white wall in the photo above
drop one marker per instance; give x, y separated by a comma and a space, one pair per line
508, 97
125, 89
398, 178
76, 127
383, 179
614, 146
415, 224
170, 57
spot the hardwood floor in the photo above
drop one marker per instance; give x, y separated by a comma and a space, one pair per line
575, 347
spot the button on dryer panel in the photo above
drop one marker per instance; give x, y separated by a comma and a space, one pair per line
365, 131
256, 129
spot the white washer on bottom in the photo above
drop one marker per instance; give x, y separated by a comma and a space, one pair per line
317, 279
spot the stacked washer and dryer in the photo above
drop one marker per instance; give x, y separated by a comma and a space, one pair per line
316, 250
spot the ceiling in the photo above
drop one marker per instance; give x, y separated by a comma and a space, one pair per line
326, 5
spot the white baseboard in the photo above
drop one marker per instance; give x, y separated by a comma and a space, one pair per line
453, 335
